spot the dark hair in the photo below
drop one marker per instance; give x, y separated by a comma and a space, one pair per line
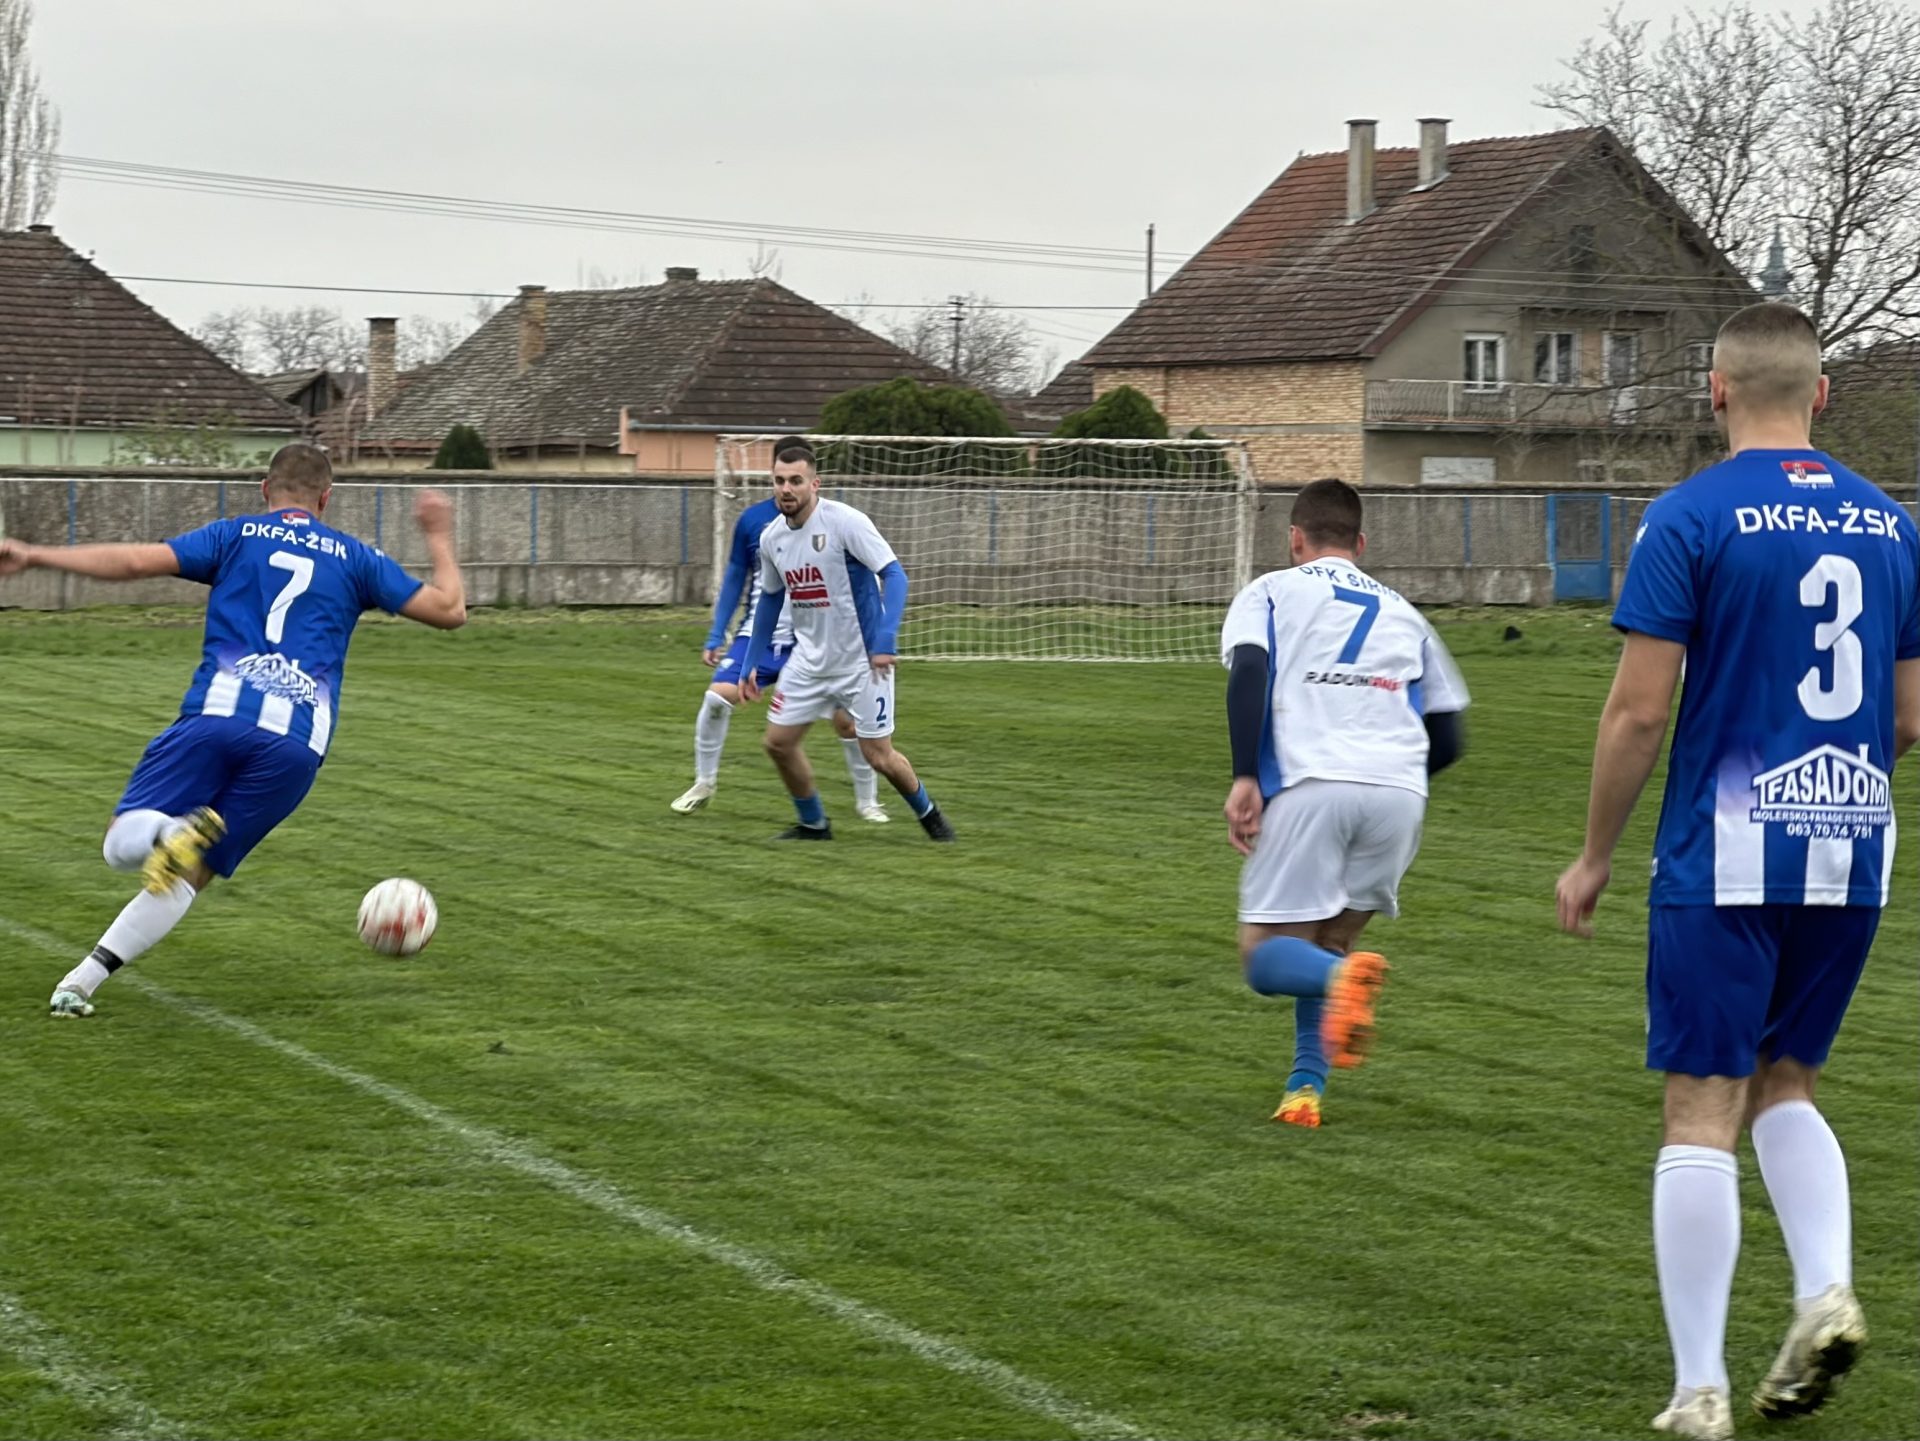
1328, 513
300, 469
792, 449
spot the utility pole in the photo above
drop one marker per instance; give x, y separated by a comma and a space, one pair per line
959, 304
1149, 261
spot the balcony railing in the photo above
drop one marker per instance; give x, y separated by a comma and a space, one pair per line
1514, 405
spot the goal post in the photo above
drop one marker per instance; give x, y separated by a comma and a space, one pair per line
1018, 549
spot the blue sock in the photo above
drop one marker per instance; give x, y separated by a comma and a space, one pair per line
1289, 966
812, 813
1309, 1051
919, 802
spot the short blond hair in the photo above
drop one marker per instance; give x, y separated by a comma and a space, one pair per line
1769, 357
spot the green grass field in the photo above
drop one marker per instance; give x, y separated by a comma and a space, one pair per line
673, 1133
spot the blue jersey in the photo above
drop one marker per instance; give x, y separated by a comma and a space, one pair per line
287, 593
740, 586
1794, 585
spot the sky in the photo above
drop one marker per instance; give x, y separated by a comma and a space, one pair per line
1072, 123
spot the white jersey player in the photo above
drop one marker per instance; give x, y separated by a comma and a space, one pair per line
847, 593
1341, 702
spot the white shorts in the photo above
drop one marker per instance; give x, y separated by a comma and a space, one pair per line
1330, 846
803, 699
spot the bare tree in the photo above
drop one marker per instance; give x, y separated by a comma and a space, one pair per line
990, 348
764, 263
427, 340
1809, 125
229, 335
303, 337
29, 126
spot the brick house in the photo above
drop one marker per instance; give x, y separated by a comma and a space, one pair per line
640, 379
1522, 310
91, 375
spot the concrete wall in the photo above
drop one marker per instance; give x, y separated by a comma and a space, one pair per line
585, 541
522, 542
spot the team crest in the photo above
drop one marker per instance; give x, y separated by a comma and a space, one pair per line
819, 542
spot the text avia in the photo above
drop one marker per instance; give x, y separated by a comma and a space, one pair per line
807, 586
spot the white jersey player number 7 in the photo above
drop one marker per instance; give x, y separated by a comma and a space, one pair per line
1353, 668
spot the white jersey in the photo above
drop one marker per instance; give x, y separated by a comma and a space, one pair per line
1352, 669
829, 568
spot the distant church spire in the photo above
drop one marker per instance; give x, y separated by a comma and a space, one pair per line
1775, 279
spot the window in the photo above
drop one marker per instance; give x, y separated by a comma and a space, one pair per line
1699, 362
1485, 361
1623, 358
1556, 357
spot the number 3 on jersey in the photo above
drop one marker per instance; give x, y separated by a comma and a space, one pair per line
296, 586
1369, 613
1843, 697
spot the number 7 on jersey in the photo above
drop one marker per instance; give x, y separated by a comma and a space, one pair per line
302, 568
1369, 612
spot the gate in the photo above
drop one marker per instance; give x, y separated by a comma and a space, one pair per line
1580, 546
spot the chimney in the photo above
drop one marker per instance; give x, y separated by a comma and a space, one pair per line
1433, 153
533, 324
682, 272
1360, 200
380, 347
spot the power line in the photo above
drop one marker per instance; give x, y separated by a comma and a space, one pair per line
508, 295
869, 242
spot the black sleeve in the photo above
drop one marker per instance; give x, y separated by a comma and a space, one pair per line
1247, 707
1446, 740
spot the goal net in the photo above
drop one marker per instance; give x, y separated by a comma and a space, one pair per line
1112, 550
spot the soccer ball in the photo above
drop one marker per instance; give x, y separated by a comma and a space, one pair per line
397, 917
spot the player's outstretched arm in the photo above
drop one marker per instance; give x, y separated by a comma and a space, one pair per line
1628, 747
136, 561
442, 601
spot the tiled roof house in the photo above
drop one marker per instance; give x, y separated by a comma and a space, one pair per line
1524, 309
637, 379
87, 368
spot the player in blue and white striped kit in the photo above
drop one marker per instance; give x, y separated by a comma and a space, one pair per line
254, 727
733, 610
1789, 588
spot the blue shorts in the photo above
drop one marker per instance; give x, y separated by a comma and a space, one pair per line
767, 672
1728, 986
252, 777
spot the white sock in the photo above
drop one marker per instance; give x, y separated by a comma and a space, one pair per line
131, 837
710, 737
138, 929
1696, 1240
1806, 1178
865, 785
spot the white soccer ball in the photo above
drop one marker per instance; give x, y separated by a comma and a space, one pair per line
397, 917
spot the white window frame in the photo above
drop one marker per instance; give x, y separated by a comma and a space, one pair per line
1562, 345
1699, 363
1470, 341
1639, 353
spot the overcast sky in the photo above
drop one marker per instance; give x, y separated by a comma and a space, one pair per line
1069, 122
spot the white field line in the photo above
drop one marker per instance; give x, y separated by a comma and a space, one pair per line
45, 1354
1011, 1386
